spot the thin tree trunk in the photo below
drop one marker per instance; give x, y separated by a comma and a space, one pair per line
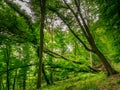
1, 82
42, 8
51, 59
24, 79
91, 61
44, 73
51, 75
51, 69
7, 79
7, 67
3, 87
14, 81
75, 49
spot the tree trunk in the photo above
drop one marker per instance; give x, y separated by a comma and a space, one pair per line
3, 87
1, 82
51, 76
42, 8
51, 70
91, 61
24, 79
44, 73
51, 59
14, 81
109, 69
7, 67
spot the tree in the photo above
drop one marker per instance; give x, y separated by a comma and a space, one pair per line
7, 56
42, 8
78, 16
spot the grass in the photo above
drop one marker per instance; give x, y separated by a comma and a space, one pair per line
87, 81
80, 82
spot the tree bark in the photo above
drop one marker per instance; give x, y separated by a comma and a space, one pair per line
42, 9
109, 69
44, 73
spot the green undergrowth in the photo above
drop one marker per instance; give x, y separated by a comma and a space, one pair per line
87, 81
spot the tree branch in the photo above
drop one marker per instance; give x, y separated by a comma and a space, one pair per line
76, 17
67, 24
89, 38
16, 8
56, 54
1, 72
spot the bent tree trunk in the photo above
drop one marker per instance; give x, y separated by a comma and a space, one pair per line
109, 69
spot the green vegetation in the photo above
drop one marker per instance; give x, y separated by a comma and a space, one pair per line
87, 81
59, 45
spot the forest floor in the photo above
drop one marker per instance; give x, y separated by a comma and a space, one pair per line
88, 81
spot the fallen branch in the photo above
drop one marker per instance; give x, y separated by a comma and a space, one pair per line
56, 55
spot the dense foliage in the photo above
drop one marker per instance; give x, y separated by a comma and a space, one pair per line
67, 40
